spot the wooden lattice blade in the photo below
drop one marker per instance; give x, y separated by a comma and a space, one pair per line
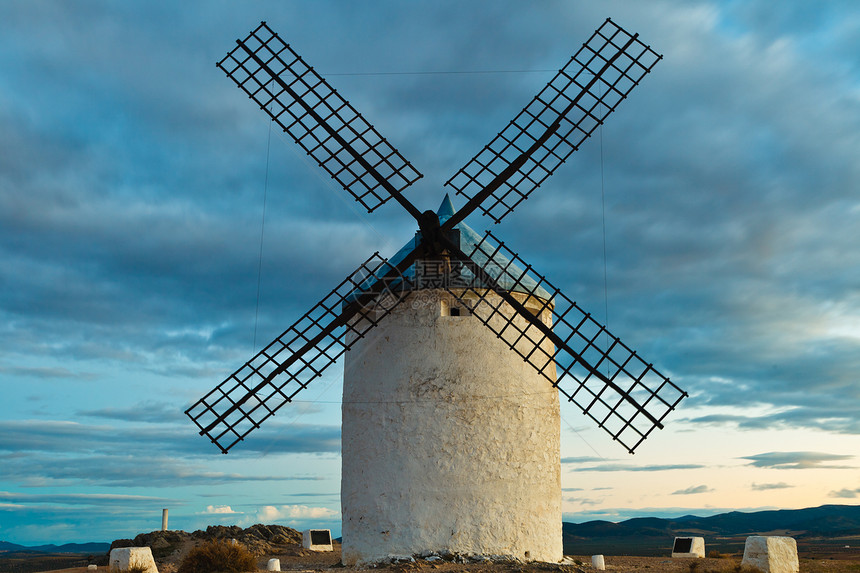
324, 124
592, 368
294, 359
556, 122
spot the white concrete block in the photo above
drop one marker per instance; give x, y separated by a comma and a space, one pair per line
688, 547
92, 567
598, 562
122, 558
317, 539
771, 554
273, 565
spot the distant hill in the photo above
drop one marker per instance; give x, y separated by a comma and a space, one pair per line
51, 548
837, 525
725, 532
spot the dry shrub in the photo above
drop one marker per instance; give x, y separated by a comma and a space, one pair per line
218, 556
135, 567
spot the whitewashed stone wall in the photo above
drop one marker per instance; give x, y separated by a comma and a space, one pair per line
450, 442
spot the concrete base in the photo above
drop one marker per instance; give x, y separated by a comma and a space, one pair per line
688, 547
771, 554
123, 558
317, 539
273, 565
598, 562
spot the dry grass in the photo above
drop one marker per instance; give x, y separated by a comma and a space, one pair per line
218, 556
133, 568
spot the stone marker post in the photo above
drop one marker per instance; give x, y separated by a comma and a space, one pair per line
164, 519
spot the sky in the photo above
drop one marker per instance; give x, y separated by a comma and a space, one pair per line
712, 223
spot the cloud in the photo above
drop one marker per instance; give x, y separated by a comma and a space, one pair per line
221, 510
82, 498
130, 211
845, 493
11, 506
271, 513
46, 373
581, 460
154, 455
831, 418
584, 501
125, 471
632, 468
769, 486
797, 460
149, 411
692, 490
55, 435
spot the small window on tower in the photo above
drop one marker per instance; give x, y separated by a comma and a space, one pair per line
454, 308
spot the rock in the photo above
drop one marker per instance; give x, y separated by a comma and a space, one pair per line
123, 558
258, 539
771, 554
162, 543
123, 543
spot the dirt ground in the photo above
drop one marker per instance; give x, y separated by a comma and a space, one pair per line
267, 542
321, 562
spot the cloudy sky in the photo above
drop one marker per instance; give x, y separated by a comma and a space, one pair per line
725, 194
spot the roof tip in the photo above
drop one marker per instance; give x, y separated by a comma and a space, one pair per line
446, 209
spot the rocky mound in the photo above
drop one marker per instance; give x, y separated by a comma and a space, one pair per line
259, 539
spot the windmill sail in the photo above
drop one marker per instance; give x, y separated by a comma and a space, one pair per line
626, 396
607, 380
253, 393
556, 122
324, 124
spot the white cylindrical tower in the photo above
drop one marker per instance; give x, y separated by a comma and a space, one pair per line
450, 440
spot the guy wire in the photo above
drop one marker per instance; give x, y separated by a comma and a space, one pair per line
603, 209
262, 234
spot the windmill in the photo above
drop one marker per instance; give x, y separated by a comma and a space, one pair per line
455, 347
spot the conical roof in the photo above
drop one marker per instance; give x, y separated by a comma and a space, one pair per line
508, 279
